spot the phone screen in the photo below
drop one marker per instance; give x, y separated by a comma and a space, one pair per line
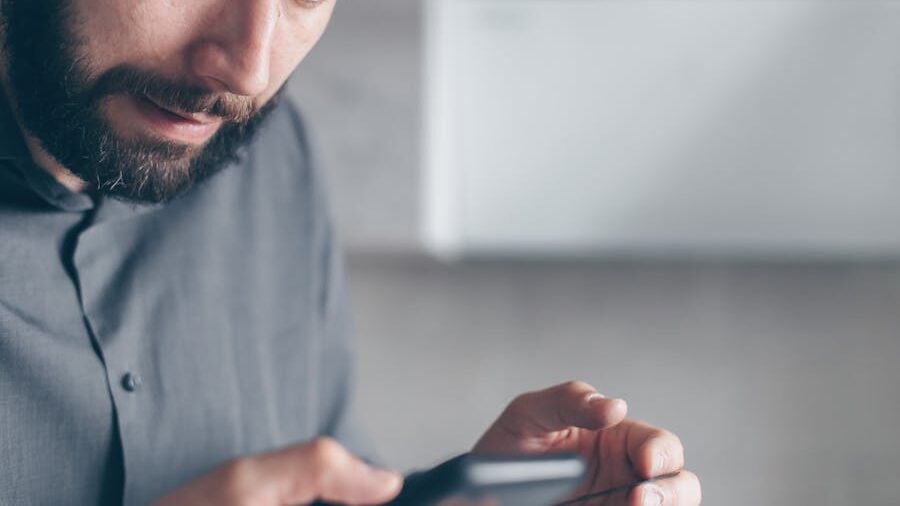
490, 481
537, 494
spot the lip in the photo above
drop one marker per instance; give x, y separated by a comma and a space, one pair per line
188, 128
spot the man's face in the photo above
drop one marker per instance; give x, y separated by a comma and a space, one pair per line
143, 98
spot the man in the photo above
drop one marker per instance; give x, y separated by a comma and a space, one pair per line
173, 327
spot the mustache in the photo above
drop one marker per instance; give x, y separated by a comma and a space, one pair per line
172, 95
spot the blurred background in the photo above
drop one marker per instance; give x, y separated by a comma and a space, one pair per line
691, 204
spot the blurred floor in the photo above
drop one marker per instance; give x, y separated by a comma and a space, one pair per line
782, 380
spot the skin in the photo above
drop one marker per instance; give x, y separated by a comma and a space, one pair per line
574, 417
249, 48
246, 48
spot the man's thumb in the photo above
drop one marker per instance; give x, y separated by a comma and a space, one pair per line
325, 470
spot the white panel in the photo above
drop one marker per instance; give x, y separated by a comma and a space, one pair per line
734, 127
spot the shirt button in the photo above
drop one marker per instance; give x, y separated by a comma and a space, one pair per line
131, 382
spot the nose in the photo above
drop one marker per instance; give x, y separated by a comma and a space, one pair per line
235, 53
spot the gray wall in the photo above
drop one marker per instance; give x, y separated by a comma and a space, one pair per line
360, 90
781, 379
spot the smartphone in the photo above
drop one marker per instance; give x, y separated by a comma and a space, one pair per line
482, 481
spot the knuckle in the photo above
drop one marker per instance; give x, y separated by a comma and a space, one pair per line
576, 386
673, 439
238, 476
325, 454
654, 441
662, 450
667, 439
673, 446
324, 449
657, 435
518, 409
519, 404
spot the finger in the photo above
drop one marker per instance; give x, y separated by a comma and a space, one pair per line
654, 451
681, 490
572, 404
324, 470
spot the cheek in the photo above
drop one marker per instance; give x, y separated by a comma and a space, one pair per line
284, 61
156, 35
114, 32
294, 42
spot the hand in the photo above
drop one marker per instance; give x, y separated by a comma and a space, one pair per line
573, 417
318, 470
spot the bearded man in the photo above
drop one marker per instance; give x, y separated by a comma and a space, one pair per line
173, 323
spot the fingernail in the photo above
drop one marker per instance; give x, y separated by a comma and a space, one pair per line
652, 497
596, 397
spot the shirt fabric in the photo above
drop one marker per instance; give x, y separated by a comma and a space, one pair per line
143, 345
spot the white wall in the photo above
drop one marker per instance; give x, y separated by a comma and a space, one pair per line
661, 127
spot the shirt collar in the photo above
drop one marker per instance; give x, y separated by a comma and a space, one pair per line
14, 150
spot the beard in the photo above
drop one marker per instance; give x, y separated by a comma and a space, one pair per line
59, 105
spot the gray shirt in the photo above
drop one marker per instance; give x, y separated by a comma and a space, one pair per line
140, 346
